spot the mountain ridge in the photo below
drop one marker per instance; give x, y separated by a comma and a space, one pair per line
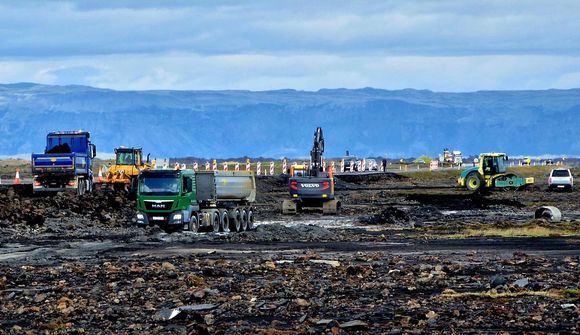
232, 123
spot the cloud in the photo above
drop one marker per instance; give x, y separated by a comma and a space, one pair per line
445, 45
33, 29
188, 71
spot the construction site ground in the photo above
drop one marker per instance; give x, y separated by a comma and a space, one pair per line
410, 253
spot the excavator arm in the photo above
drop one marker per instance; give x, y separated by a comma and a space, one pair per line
316, 153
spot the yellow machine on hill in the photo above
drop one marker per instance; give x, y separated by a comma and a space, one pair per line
492, 173
128, 164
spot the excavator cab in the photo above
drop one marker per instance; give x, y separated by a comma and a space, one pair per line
298, 171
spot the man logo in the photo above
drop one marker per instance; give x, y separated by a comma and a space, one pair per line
158, 206
310, 185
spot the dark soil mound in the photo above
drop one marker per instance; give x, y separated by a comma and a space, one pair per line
389, 215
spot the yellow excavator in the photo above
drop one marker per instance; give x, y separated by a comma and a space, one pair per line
128, 164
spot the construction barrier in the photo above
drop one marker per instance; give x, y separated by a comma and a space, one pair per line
258, 168
332, 167
194, 166
271, 168
206, 165
214, 165
284, 167
183, 166
248, 165
225, 166
351, 166
237, 167
342, 165
364, 165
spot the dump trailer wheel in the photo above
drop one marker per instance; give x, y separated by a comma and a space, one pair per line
235, 220
215, 221
250, 224
244, 221
193, 224
473, 182
225, 221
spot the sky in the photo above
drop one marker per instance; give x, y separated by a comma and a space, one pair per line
440, 45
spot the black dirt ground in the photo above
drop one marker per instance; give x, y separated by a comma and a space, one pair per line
386, 264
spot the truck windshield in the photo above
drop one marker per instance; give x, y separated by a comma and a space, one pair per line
159, 186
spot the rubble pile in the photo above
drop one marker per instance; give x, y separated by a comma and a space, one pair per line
100, 206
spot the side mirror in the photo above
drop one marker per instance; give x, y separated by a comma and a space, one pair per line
507, 158
93, 151
148, 157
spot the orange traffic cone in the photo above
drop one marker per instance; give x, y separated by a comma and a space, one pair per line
100, 179
17, 177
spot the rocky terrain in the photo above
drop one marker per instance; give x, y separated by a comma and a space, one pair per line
404, 256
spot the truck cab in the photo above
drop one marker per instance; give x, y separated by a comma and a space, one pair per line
166, 197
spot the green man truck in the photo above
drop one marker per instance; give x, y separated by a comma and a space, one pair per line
186, 199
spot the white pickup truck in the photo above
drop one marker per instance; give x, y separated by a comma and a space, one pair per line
560, 179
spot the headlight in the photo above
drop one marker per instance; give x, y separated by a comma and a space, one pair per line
177, 216
140, 216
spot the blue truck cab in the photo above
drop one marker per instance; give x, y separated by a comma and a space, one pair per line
66, 164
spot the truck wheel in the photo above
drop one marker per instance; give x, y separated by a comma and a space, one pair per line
193, 224
250, 224
473, 182
225, 221
215, 222
80, 187
235, 221
244, 221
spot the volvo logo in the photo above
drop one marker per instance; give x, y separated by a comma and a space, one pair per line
310, 185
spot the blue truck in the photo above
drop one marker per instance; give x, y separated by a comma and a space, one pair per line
66, 164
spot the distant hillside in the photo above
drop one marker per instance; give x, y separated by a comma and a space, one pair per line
281, 123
